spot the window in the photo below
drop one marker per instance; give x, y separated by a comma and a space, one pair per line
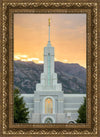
71, 122
48, 120
49, 69
48, 106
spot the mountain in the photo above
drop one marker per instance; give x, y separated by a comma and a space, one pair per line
27, 75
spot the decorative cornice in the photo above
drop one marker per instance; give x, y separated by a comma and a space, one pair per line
53, 130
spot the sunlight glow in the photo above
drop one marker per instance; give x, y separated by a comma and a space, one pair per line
38, 60
32, 59
65, 60
41, 62
67, 35
27, 59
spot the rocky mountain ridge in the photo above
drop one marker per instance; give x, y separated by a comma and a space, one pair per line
27, 75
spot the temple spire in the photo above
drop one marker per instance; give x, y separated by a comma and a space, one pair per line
49, 44
49, 28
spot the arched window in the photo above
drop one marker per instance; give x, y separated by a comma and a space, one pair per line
71, 122
48, 106
48, 120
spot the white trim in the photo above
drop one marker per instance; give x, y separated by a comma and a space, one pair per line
74, 95
44, 104
27, 95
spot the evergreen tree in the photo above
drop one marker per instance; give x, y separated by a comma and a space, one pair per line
20, 110
82, 113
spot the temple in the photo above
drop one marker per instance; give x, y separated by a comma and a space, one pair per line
49, 104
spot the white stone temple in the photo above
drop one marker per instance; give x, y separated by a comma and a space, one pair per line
49, 104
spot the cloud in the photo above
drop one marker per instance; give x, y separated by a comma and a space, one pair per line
32, 59
22, 56
65, 60
68, 36
16, 57
23, 60
26, 58
40, 61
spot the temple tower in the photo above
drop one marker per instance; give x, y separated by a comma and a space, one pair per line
48, 97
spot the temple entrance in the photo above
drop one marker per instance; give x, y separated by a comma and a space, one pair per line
48, 120
71, 122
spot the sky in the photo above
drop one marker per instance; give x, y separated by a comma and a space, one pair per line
67, 36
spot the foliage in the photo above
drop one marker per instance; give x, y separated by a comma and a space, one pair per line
20, 110
82, 113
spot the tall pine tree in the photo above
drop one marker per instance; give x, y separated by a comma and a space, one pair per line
20, 110
82, 113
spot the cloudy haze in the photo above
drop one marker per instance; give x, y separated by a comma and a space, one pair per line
68, 37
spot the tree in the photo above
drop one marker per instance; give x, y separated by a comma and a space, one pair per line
82, 113
20, 110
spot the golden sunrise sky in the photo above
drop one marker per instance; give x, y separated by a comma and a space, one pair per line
68, 37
